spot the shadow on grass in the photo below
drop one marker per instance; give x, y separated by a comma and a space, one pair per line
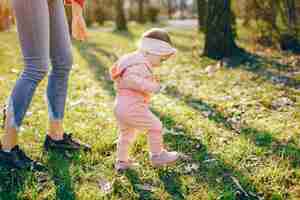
13, 183
172, 183
261, 138
59, 171
213, 171
135, 181
257, 64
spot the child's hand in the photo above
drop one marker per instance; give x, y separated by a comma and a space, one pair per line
156, 78
78, 24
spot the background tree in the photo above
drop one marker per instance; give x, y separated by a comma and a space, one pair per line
202, 13
276, 22
141, 17
289, 33
121, 22
170, 8
182, 7
292, 15
220, 34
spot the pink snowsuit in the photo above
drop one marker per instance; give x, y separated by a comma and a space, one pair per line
135, 83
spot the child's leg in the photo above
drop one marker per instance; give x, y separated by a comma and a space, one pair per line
155, 136
159, 156
126, 138
146, 120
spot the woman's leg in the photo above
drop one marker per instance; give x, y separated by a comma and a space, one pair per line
61, 58
33, 28
10, 138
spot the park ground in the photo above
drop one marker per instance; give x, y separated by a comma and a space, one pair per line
239, 123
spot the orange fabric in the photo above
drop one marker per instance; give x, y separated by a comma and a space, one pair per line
115, 72
80, 2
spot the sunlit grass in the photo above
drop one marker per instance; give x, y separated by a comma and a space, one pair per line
226, 121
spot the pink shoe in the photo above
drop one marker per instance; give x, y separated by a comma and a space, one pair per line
121, 166
164, 158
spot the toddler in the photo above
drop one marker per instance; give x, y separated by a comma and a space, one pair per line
135, 83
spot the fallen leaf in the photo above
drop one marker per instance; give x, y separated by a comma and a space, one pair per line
105, 186
185, 157
76, 103
209, 160
146, 187
282, 102
211, 69
191, 167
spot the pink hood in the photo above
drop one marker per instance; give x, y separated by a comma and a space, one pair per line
126, 61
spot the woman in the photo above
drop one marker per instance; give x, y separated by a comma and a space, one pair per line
44, 37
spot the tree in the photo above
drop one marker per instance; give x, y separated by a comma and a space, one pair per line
170, 9
220, 34
121, 22
141, 17
291, 16
169, 4
202, 13
288, 36
276, 23
100, 8
182, 7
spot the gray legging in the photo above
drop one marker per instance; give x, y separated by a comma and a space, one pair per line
44, 37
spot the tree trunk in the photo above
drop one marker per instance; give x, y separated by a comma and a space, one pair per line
202, 12
292, 16
170, 9
220, 36
99, 12
289, 37
141, 18
121, 22
182, 7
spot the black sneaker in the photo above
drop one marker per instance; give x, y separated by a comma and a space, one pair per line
17, 159
67, 143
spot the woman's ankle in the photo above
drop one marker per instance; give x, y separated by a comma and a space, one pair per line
56, 130
9, 139
7, 147
56, 136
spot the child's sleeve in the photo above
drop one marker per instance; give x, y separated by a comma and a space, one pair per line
138, 77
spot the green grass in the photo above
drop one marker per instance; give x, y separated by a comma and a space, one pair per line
225, 122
